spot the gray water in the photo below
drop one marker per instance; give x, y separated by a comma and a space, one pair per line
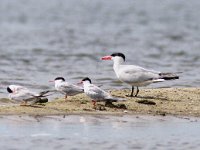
99, 132
40, 40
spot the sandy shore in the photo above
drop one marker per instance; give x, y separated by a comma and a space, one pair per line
162, 101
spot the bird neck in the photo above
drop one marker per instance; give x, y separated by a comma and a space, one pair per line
117, 63
86, 86
57, 82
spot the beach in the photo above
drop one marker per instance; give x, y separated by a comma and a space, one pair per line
159, 101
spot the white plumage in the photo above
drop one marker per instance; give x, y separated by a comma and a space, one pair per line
67, 88
136, 75
22, 94
97, 94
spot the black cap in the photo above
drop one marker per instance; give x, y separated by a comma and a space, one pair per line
9, 90
87, 79
60, 78
118, 54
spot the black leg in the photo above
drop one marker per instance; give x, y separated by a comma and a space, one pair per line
66, 98
137, 91
131, 92
94, 104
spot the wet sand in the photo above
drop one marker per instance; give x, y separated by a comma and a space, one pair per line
162, 101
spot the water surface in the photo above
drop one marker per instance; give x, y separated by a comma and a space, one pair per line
99, 132
40, 40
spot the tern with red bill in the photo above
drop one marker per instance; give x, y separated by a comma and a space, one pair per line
23, 95
136, 75
97, 94
66, 88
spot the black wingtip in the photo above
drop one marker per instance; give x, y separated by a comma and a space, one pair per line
168, 76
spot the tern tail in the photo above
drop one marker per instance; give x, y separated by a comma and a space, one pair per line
46, 93
41, 96
168, 76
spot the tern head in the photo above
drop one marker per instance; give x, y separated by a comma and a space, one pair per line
13, 88
86, 80
59, 79
9, 90
116, 57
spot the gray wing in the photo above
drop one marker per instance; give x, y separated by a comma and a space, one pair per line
134, 74
70, 89
97, 93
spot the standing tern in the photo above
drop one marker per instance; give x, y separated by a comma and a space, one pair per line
66, 88
136, 75
22, 94
96, 93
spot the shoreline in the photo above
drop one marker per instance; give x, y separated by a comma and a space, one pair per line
156, 102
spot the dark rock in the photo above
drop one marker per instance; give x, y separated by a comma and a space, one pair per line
147, 102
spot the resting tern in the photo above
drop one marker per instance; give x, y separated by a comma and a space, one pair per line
22, 94
96, 93
136, 75
66, 88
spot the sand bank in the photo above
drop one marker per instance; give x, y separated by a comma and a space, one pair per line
162, 101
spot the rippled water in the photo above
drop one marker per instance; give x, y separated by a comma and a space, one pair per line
40, 40
99, 132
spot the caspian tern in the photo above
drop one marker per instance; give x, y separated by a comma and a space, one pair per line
136, 75
67, 88
96, 93
22, 94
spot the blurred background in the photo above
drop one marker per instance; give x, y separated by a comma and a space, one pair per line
40, 40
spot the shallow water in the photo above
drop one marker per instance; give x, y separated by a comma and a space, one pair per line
99, 132
40, 40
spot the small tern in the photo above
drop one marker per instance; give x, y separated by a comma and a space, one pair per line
66, 88
97, 94
22, 94
136, 75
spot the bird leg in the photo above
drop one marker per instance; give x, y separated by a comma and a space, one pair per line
94, 103
131, 92
65, 98
137, 91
